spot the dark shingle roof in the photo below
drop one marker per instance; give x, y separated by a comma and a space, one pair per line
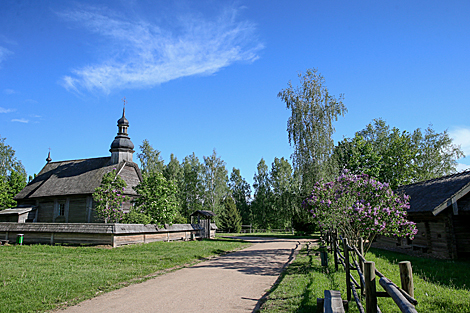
436, 194
203, 213
71, 178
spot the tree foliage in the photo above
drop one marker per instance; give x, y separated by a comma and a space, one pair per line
398, 157
192, 187
215, 183
359, 206
230, 219
262, 202
310, 126
109, 198
241, 193
157, 198
12, 176
150, 159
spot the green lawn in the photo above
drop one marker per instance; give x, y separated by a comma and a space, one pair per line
440, 286
37, 278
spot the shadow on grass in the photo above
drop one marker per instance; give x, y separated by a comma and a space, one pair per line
449, 273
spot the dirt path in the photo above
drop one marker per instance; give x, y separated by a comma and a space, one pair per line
230, 283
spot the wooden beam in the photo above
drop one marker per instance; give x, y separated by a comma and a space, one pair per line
333, 302
397, 296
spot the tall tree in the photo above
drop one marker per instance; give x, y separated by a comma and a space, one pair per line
12, 176
230, 219
192, 189
241, 193
173, 170
261, 204
215, 182
436, 154
310, 126
284, 195
150, 159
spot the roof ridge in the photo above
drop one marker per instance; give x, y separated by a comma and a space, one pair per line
84, 159
467, 171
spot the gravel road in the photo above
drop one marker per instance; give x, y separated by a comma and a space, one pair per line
234, 282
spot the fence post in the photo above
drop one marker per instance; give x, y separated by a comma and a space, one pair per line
406, 277
371, 297
361, 263
346, 265
335, 241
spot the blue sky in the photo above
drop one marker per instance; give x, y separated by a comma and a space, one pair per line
204, 75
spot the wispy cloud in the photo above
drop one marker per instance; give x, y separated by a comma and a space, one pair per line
20, 120
461, 136
3, 110
4, 53
8, 91
145, 55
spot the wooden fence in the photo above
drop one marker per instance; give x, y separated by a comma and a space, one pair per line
403, 297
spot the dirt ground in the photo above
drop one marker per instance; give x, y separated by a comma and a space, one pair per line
234, 282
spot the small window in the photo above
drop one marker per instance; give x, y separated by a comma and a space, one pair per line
61, 209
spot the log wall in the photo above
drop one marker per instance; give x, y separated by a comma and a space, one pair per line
96, 234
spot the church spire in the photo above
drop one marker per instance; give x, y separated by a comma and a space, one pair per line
122, 147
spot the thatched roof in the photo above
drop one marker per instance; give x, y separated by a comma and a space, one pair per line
437, 194
73, 177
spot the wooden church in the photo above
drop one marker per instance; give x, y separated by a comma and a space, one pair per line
62, 191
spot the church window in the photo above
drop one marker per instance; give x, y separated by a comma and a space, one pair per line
61, 209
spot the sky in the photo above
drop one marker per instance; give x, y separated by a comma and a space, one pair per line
204, 75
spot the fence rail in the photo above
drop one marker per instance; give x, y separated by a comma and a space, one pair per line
367, 272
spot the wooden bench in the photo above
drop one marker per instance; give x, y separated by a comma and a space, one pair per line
332, 303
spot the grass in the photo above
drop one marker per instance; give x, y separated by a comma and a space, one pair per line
440, 285
38, 278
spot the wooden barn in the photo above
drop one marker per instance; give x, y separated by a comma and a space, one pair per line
62, 191
440, 208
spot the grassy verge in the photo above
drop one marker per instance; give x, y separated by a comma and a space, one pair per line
40, 277
440, 286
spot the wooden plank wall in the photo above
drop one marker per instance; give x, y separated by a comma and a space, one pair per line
77, 210
78, 238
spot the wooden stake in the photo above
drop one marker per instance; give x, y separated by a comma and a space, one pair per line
371, 297
406, 277
347, 268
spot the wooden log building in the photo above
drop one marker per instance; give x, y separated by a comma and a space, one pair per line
440, 208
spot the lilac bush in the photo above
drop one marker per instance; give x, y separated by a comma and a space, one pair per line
359, 206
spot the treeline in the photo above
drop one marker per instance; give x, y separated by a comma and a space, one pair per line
12, 176
273, 202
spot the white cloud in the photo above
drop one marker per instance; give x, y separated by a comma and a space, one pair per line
4, 52
8, 91
462, 167
3, 110
145, 55
461, 136
21, 120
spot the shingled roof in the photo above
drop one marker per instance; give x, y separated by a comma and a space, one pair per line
72, 177
437, 194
